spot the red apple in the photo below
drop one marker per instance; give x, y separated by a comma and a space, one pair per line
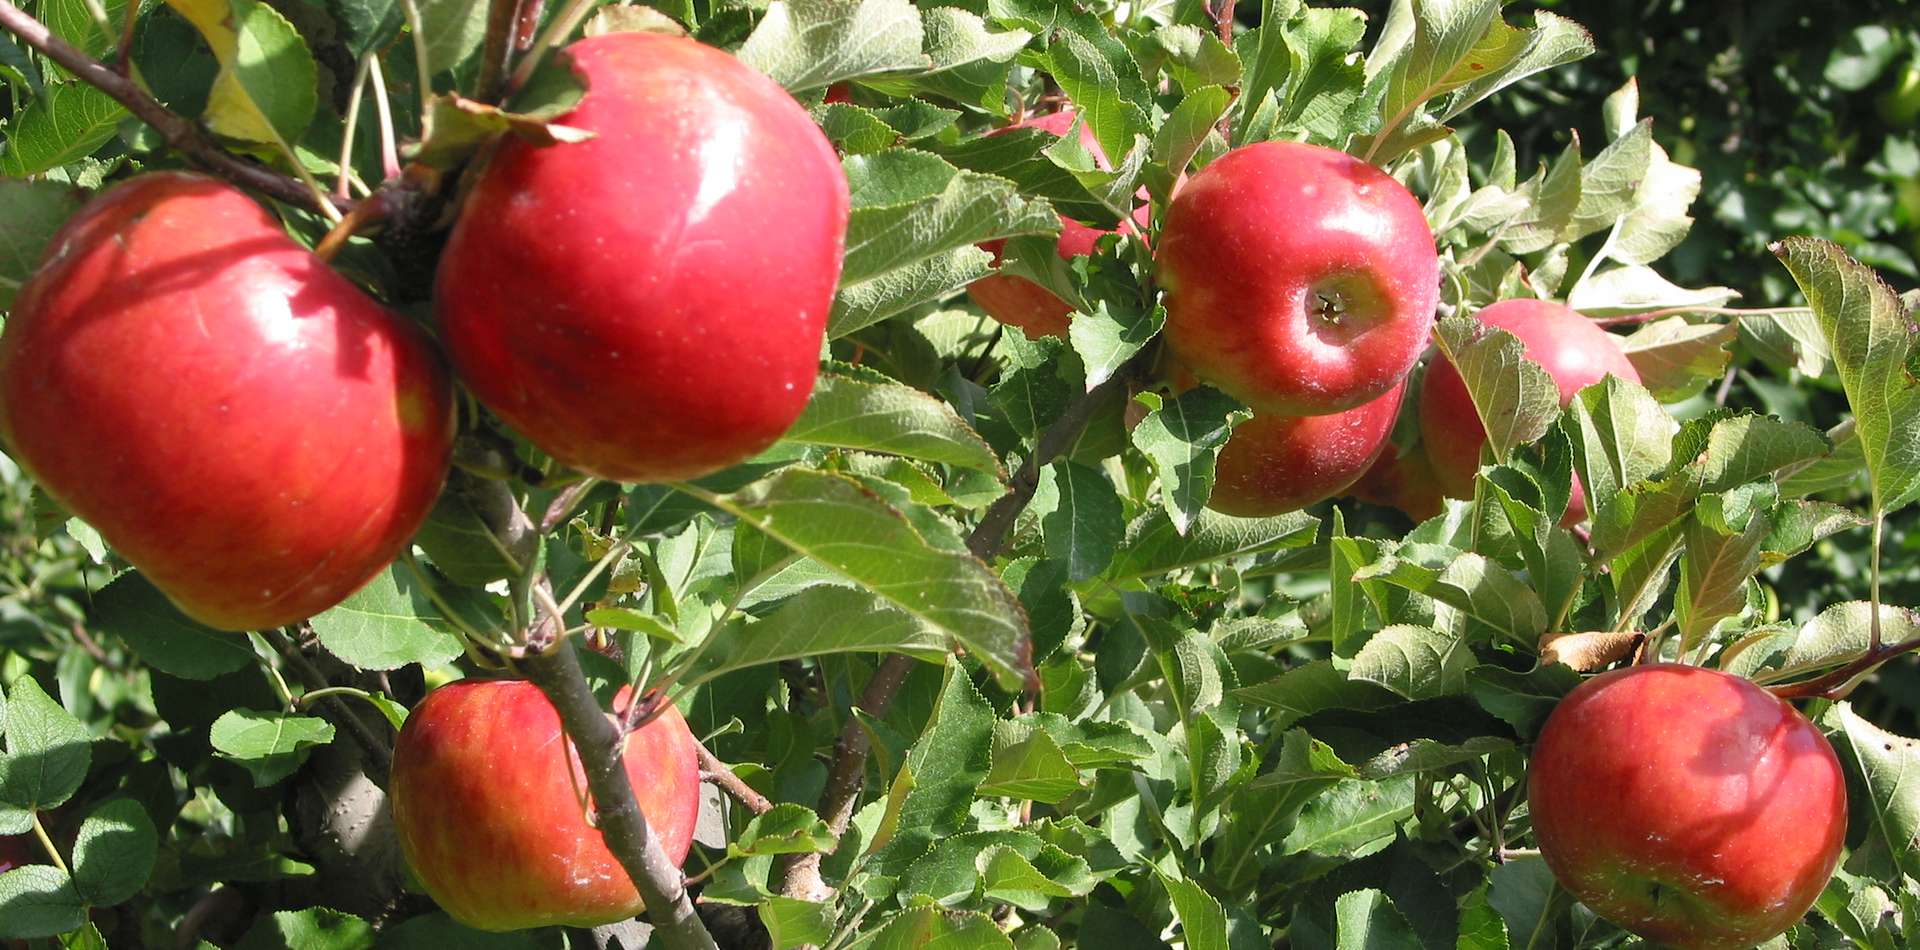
241, 423
488, 802
1299, 279
1402, 480
1017, 301
1687, 805
1275, 464
1572, 349
649, 304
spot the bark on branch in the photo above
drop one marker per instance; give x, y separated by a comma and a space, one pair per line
625, 829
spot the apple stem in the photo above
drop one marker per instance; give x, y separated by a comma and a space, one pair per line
622, 825
722, 775
354, 99
850, 748
179, 132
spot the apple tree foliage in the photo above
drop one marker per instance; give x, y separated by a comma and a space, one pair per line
1129, 721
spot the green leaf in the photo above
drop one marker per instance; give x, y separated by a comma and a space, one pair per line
114, 853
1471, 582
1310, 688
792, 922
1195, 57
785, 829
942, 771
1103, 81
1030, 883
1522, 700
48, 750
1203, 925
850, 412
935, 927
839, 524
1028, 766
269, 745
1676, 359
1325, 83
1634, 288
1367, 920
1515, 399
30, 213
1553, 41
911, 233
1480, 925
388, 624
1871, 334
812, 44
1841, 633
815, 622
266, 89
1351, 818
65, 123
1182, 438
1714, 571
131, 609
38, 901
316, 928
1428, 755
1080, 517
1889, 767
1107, 338
1415, 662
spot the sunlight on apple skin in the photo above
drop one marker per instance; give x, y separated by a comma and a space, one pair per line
241, 423
649, 304
1276, 464
1300, 280
1687, 805
487, 800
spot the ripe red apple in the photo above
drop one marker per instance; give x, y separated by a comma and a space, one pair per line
1402, 480
1572, 349
1687, 805
649, 304
487, 799
1017, 301
241, 423
1275, 464
1300, 280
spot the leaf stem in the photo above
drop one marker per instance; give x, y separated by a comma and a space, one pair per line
40, 829
1648, 315
180, 133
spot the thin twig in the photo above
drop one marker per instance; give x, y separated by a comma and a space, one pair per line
661, 885
355, 97
378, 749
719, 773
178, 131
1828, 685
1646, 316
502, 18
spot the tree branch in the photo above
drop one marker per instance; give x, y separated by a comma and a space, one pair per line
717, 772
850, 748
622, 826
178, 131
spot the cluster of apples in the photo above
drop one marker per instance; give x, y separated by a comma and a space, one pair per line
1690, 806
260, 437
1303, 282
